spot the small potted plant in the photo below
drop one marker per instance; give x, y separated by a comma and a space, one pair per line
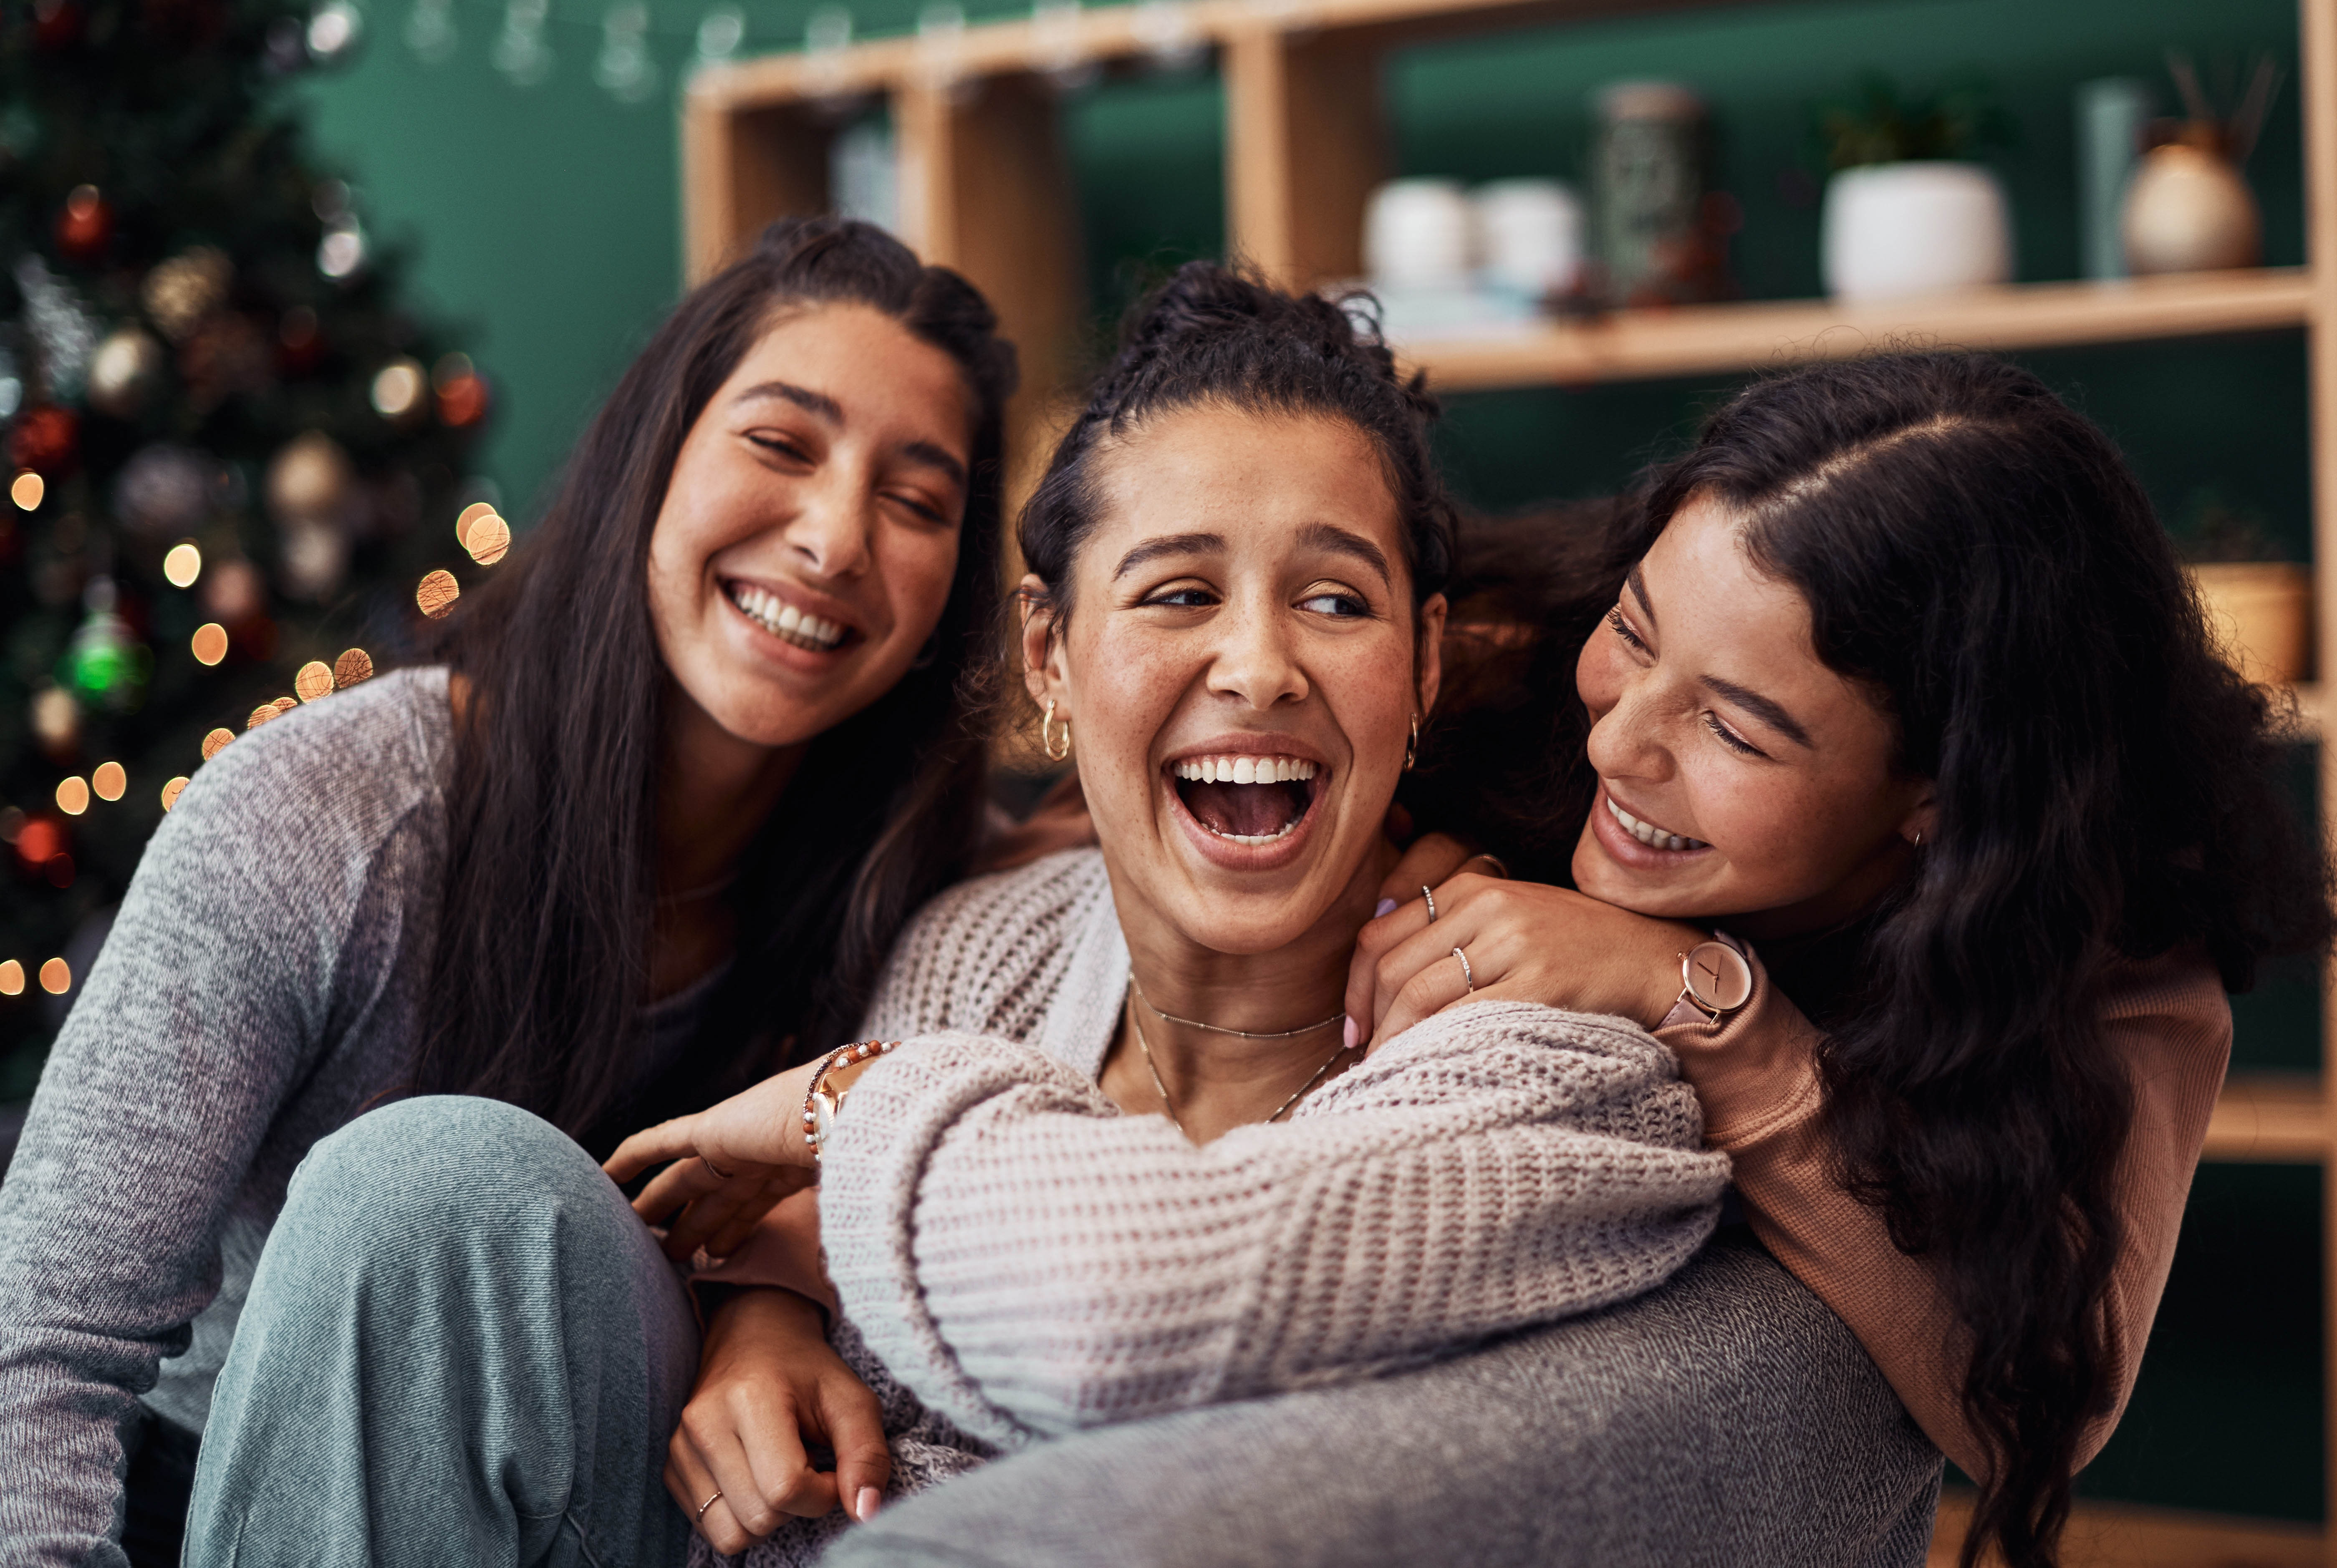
1906, 210
2259, 607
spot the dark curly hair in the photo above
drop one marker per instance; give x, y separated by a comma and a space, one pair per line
1979, 555
1212, 333
543, 935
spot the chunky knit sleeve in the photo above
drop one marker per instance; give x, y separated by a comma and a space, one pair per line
1030, 1262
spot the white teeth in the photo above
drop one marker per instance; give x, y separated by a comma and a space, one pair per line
1651, 835
1257, 838
784, 620
1246, 769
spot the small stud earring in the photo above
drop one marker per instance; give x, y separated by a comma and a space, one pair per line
1046, 736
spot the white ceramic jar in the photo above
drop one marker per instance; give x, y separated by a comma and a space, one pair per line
1893, 230
1529, 233
1419, 234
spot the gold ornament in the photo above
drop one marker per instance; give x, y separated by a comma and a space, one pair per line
179, 292
308, 479
124, 375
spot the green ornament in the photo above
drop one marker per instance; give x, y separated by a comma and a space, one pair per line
104, 664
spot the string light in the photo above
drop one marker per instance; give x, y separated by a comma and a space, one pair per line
210, 643
170, 792
436, 594
111, 780
314, 680
56, 977
12, 978
286, 704
182, 565
73, 796
216, 742
488, 539
27, 491
262, 715
469, 515
354, 665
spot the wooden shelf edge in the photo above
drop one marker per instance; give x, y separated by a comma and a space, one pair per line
2136, 1536
1108, 33
2270, 1118
1705, 339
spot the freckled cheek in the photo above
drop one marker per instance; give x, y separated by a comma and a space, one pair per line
1598, 674
1126, 691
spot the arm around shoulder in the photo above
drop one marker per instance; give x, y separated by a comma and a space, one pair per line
1048, 1264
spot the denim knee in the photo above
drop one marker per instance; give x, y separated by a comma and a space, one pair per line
416, 1158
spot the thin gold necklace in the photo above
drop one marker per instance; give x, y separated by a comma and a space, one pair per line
1170, 1106
1221, 1029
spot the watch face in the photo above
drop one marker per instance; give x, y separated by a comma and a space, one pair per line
1717, 976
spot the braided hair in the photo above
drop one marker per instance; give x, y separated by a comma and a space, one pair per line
1214, 335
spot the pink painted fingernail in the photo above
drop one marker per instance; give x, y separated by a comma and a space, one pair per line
1386, 906
867, 1503
1355, 1035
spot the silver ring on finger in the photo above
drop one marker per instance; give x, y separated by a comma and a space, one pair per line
1431, 897
702, 1507
1468, 975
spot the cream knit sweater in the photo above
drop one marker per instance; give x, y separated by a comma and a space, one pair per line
1028, 1260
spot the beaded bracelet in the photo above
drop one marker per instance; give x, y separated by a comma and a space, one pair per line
820, 1106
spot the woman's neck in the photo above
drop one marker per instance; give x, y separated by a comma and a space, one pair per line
1217, 1080
714, 793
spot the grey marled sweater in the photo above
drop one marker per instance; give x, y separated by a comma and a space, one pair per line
260, 987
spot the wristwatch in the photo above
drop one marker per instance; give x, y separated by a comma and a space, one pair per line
1714, 979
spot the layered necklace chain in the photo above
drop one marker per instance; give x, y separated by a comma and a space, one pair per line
1136, 1017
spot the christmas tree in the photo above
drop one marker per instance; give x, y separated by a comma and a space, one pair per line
229, 453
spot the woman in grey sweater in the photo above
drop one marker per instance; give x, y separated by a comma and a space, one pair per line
689, 762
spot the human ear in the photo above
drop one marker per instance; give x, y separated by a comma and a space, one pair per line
1920, 825
1429, 676
1041, 660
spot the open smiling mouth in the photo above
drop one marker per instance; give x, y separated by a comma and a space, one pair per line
1250, 800
1650, 834
784, 620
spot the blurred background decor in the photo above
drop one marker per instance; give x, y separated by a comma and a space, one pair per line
2188, 208
225, 428
1906, 212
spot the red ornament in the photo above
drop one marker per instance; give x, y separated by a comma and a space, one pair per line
39, 841
46, 441
463, 400
85, 225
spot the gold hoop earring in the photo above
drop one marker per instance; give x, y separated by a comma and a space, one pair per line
1411, 746
1046, 736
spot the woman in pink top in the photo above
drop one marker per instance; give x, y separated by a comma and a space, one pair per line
1901, 687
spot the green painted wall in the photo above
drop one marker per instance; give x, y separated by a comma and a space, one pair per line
547, 221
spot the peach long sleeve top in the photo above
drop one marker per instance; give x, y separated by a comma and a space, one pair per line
1755, 1073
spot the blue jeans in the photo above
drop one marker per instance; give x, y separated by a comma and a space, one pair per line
461, 1347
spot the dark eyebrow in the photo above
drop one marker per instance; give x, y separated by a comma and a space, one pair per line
1167, 544
1761, 708
803, 397
1323, 536
1639, 591
933, 456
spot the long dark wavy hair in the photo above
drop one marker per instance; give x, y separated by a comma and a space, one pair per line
1980, 557
544, 936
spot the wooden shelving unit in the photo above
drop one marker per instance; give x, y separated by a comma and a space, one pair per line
985, 188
